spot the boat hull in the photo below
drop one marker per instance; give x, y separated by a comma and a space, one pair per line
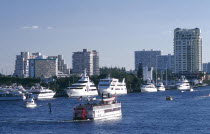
43, 96
109, 91
161, 89
108, 111
183, 88
148, 89
31, 105
109, 116
81, 92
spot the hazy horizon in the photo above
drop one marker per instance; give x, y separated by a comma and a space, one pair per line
113, 28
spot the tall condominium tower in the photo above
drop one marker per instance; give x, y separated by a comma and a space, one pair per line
22, 65
146, 58
187, 50
62, 66
88, 60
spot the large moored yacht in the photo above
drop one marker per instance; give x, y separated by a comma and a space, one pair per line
112, 86
84, 87
148, 87
11, 94
183, 84
39, 92
160, 87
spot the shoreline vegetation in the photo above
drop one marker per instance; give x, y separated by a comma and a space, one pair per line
133, 81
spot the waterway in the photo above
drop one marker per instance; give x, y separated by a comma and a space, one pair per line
143, 113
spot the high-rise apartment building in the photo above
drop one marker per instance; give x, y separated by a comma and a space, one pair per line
88, 60
165, 62
146, 58
22, 64
43, 68
206, 67
187, 50
62, 66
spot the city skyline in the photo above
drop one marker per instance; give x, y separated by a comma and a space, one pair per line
113, 28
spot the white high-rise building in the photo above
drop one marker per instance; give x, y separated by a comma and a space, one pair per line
62, 66
188, 50
22, 65
88, 60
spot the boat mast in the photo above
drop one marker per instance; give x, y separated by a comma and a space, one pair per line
156, 71
166, 75
85, 75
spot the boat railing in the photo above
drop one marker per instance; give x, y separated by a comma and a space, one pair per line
106, 106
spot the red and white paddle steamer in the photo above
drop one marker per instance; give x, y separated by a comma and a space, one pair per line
93, 109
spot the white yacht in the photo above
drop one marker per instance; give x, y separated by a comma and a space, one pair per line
11, 94
148, 87
14, 87
39, 92
106, 108
183, 84
30, 103
112, 86
84, 87
160, 87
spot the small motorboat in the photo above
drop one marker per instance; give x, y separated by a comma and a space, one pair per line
191, 89
169, 98
30, 103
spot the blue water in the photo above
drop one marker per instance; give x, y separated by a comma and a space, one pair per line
143, 113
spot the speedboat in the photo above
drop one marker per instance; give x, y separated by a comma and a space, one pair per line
30, 103
84, 87
191, 89
93, 109
148, 87
112, 86
183, 84
169, 98
160, 87
39, 92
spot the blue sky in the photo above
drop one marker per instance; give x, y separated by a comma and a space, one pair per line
115, 28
